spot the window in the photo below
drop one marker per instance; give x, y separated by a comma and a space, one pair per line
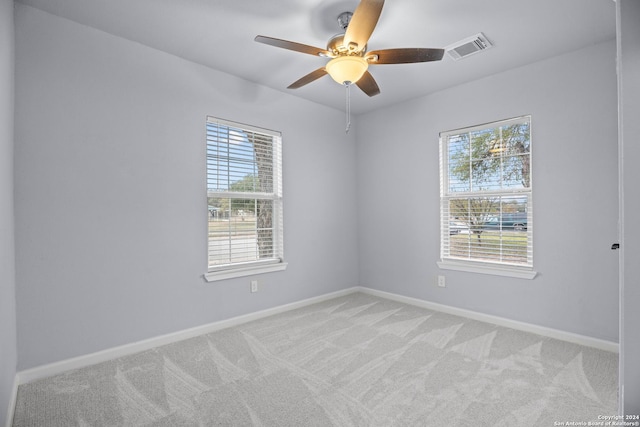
485, 199
244, 195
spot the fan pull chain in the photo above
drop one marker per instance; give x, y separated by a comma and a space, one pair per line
348, 85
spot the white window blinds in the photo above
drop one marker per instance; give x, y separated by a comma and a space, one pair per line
485, 194
244, 194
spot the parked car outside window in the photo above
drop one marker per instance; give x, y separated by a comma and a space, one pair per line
509, 221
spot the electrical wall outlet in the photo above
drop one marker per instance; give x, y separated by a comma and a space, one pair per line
442, 282
254, 286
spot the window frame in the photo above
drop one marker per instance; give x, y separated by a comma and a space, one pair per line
494, 267
258, 266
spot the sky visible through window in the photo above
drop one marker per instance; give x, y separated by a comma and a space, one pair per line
230, 157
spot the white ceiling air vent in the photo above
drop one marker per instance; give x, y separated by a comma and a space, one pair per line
468, 46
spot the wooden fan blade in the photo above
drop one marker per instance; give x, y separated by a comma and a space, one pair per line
404, 56
368, 84
314, 75
297, 47
362, 23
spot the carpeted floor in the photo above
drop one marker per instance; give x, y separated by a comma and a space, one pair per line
356, 360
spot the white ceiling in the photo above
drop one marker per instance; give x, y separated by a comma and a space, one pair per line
220, 33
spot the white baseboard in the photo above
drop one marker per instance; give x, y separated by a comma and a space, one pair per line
55, 368
500, 321
12, 403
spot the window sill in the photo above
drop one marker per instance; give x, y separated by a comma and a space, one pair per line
246, 270
508, 271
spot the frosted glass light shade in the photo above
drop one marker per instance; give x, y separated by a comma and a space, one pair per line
347, 68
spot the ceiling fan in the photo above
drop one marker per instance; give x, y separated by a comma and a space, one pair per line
348, 50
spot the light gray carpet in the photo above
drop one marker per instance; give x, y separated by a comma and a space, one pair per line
356, 360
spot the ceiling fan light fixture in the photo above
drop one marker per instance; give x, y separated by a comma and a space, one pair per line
348, 50
347, 68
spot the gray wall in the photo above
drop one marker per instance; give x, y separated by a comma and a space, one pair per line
572, 100
111, 199
629, 72
7, 263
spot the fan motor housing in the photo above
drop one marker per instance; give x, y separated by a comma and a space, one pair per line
337, 47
